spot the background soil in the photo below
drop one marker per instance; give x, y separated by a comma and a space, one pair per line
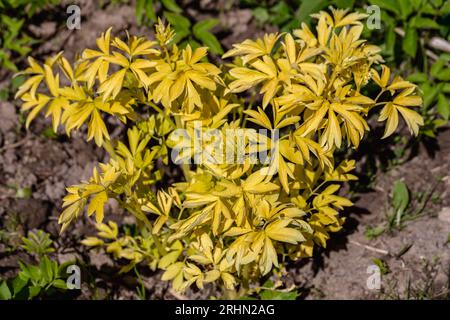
35, 169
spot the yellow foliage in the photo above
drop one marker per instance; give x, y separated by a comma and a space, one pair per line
228, 222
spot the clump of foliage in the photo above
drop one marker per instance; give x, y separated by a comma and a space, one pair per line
408, 29
288, 15
404, 206
229, 223
271, 291
187, 31
14, 40
406, 32
146, 10
43, 279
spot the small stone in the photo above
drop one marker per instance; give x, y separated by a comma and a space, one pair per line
100, 259
9, 118
68, 257
45, 30
444, 214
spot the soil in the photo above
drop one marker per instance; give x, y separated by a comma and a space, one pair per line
35, 168
417, 255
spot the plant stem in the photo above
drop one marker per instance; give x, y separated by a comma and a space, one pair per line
141, 217
379, 95
184, 166
109, 148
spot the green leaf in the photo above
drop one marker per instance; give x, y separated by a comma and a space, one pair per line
181, 25
192, 42
24, 272
405, 8
55, 269
390, 5
424, 23
13, 25
38, 243
261, 14
268, 284
410, 41
171, 5
277, 295
373, 232
150, 11
49, 133
344, 4
430, 93
443, 106
437, 123
428, 8
145, 8
4, 94
280, 13
5, 293
384, 268
177, 21
308, 7
293, 24
445, 9
205, 25
31, 272
16, 82
60, 284
34, 291
416, 4
444, 75
400, 198
7, 63
418, 77
445, 57
139, 11
201, 32
446, 88
18, 284
211, 41
390, 41
46, 269
437, 67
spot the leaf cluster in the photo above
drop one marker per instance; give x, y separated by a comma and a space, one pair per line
14, 40
227, 223
35, 280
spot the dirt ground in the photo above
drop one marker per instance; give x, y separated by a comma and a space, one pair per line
417, 256
35, 169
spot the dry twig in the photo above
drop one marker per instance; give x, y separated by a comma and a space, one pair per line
381, 251
15, 144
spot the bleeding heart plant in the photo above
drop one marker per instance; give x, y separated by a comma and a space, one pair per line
228, 222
